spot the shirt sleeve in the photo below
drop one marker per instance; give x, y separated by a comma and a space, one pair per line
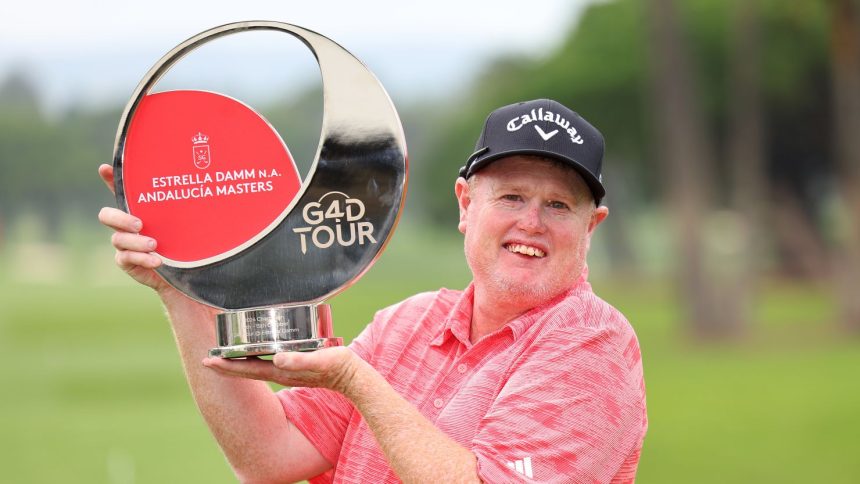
323, 415
572, 410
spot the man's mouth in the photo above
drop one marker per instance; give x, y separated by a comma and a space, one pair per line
525, 250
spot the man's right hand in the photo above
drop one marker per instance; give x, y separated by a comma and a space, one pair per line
134, 252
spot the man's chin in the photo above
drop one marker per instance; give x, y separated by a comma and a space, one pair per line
525, 293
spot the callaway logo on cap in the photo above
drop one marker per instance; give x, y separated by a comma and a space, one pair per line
542, 127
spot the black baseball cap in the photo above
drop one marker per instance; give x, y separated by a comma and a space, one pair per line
546, 128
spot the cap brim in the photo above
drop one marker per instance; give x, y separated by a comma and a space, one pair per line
597, 190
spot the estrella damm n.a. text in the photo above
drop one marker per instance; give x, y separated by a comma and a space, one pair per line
334, 219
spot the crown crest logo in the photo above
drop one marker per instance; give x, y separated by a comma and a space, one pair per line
200, 138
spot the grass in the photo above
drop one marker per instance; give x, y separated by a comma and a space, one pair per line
93, 390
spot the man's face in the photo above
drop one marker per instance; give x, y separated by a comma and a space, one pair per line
528, 223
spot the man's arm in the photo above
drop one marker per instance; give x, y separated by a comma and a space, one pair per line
416, 450
244, 415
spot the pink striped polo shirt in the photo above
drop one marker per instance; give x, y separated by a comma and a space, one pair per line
556, 395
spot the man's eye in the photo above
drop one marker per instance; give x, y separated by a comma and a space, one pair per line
511, 197
558, 205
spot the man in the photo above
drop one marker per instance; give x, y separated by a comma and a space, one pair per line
525, 375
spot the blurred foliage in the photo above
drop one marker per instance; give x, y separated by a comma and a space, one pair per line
49, 166
602, 71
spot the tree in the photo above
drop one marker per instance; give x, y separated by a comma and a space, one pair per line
845, 65
748, 188
686, 155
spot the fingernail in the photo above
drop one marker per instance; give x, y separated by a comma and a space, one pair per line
150, 244
137, 224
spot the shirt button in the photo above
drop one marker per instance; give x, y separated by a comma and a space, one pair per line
461, 368
438, 403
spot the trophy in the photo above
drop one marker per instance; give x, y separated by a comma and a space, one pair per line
237, 228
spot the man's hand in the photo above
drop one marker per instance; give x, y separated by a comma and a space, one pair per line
133, 251
331, 368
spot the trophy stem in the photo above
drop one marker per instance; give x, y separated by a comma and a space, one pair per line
260, 332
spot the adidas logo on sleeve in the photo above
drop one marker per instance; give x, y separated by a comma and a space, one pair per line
523, 466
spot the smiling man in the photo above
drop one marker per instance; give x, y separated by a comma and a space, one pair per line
525, 375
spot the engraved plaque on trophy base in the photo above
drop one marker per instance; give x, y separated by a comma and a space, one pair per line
258, 332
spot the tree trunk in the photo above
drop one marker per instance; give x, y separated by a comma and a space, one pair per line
845, 65
616, 230
685, 155
748, 191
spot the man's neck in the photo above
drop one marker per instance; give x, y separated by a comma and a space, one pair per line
489, 313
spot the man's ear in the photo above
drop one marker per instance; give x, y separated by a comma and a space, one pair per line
599, 215
461, 191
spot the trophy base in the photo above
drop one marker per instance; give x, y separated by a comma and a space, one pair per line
261, 332
268, 349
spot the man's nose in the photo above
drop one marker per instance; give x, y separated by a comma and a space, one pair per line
531, 219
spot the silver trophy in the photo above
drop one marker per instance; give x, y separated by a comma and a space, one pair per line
272, 280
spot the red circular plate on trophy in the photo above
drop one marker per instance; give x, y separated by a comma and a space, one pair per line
207, 175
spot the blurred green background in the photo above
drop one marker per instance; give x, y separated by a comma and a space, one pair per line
733, 242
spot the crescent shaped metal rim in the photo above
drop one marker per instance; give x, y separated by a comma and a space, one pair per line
177, 53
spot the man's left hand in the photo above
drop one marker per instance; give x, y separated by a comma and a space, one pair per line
331, 368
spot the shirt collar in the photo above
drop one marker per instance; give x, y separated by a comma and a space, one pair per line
519, 325
458, 323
